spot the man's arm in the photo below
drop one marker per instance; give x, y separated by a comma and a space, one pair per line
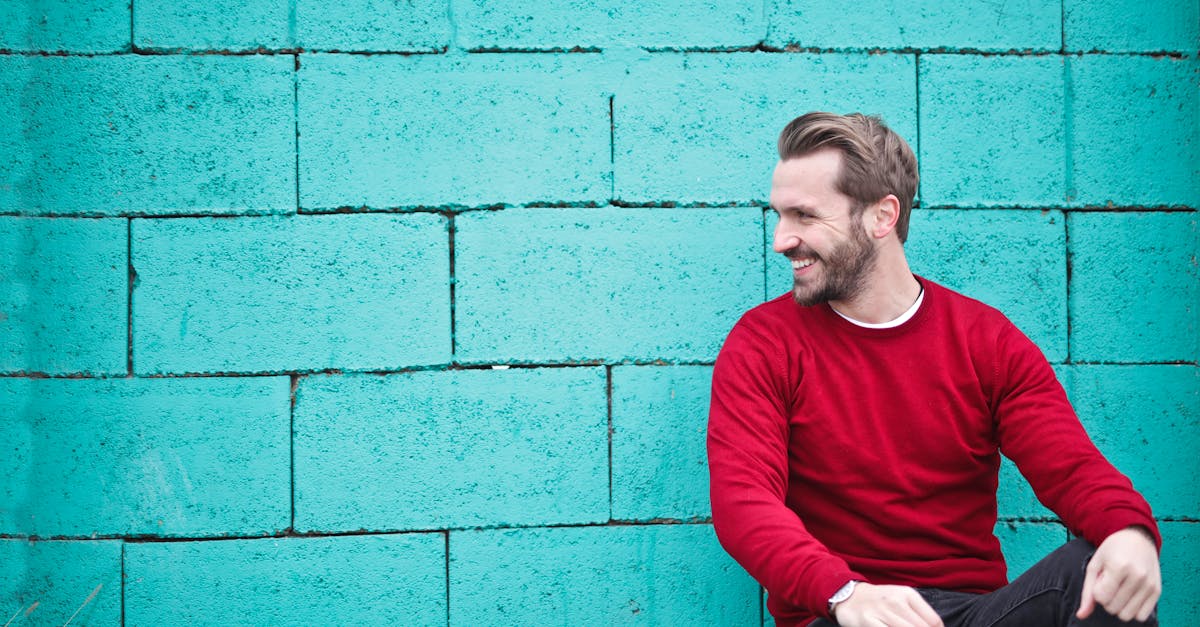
1040, 432
748, 466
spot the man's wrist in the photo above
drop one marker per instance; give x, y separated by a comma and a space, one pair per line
1144, 531
841, 595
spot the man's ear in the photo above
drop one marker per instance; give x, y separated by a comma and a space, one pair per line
882, 216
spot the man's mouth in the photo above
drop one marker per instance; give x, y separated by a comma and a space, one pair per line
802, 263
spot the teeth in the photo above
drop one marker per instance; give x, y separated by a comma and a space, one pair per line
802, 263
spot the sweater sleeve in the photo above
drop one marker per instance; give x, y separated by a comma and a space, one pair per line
1039, 431
748, 466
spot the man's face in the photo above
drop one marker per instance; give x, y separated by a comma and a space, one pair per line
828, 247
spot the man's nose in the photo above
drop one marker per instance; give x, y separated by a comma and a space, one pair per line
785, 240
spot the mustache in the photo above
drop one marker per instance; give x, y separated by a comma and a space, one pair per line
801, 252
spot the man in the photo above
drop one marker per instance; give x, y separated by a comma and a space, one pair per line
856, 426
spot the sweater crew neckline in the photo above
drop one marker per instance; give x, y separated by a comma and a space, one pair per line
922, 307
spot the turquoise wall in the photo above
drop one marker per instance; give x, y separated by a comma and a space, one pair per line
404, 312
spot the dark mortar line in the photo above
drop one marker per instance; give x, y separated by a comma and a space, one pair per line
612, 149
1067, 209
376, 53
296, 126
1069, 269
1131, 209
444, 50
1068, 133
294, 384
624, 204
172, 216
448, 367
132, 35
230, 374
452, 209
452, 233
148, 539
215, 52
131, 279
673, 204
447, 560
122, 584
1062, 26
917, 98
608, 388
518, 50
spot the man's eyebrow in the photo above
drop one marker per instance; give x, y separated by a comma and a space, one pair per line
798, 207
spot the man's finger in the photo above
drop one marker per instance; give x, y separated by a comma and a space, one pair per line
1131, 606
1118, 597
894, 619
1087, 602
1147, 608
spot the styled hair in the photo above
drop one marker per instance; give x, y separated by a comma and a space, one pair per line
875, 160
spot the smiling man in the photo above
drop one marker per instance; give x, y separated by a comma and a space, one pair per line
856, 426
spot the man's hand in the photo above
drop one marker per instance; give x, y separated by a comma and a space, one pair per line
1123, 577
893, 606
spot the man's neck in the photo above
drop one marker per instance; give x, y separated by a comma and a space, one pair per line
890, 290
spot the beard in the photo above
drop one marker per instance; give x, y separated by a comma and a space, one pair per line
844, 271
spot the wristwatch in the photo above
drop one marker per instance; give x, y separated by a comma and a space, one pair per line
842, 594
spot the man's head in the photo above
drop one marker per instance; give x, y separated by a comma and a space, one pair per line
875, 160
843, 190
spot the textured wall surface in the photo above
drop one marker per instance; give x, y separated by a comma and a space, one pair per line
405, 312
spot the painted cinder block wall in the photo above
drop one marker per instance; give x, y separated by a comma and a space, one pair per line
404, 312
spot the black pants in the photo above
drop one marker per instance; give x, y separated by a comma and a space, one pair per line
1046, 595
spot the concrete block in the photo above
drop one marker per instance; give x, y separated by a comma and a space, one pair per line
468, 130
63, 295
1012, 260
1131, 26
642, 575
702, 128
56, 583
65, 26
1136, 131
213, 24
1015, 498
271, 294
659, 461
566, 285
1146, 421
346, 580
426, 450
165, 457
992, 131
1135, 287
356, 25
136, 134
545, 24
1180, 604
374, 25
1026, 543
907, 24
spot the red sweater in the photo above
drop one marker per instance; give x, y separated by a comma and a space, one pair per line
839, 452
